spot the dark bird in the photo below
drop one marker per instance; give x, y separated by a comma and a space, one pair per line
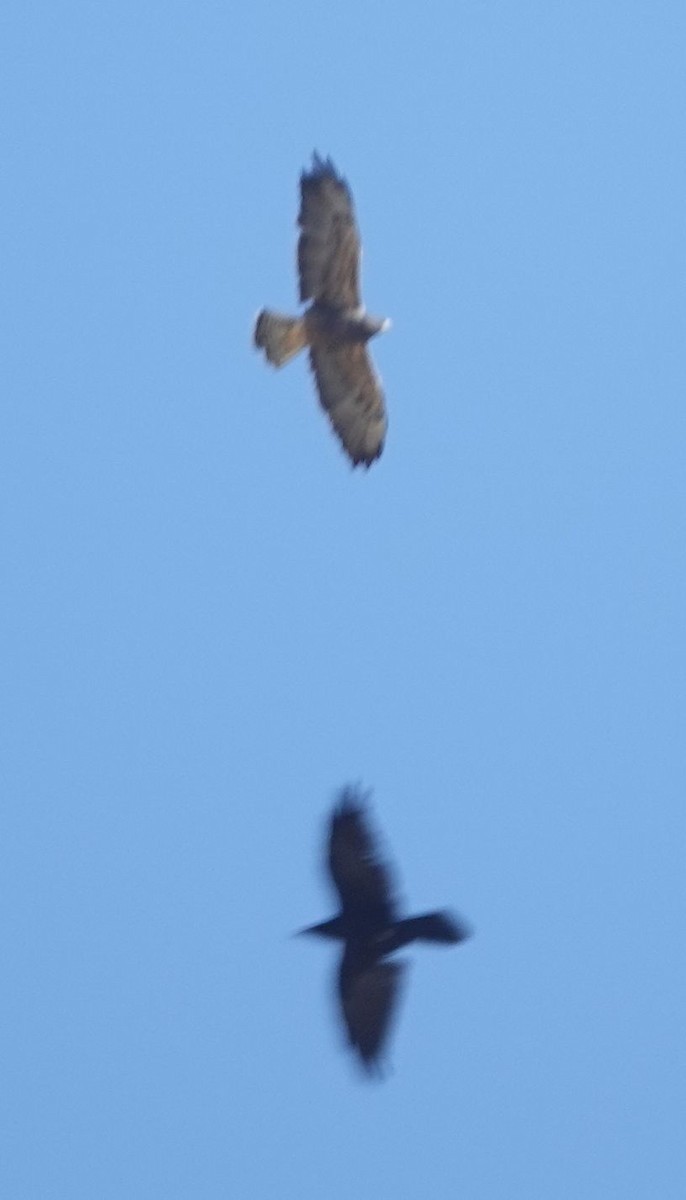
370, 929
336, 326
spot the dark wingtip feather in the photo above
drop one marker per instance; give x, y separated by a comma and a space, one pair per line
322, 168
372, 1066
351, 800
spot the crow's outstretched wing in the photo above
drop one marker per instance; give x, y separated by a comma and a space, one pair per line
369, 997
363, 882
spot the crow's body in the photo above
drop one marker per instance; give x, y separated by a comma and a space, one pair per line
368, 984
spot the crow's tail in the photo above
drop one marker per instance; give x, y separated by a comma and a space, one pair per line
432, 927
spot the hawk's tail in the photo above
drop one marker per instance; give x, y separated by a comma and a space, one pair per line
281, 338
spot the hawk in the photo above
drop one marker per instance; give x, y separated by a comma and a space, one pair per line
336, 326
370, 930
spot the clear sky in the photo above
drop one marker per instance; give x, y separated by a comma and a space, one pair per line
211, 622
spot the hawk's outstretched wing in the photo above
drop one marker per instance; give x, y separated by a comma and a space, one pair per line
329, 246
350, 392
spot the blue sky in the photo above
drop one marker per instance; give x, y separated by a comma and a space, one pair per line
211, 623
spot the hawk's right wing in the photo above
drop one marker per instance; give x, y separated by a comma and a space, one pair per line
350, 392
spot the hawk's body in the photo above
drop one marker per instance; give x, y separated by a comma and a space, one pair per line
369, 927
335, 326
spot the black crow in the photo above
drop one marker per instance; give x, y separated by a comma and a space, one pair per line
368, 926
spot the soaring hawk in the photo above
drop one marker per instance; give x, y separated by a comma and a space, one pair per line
335, 327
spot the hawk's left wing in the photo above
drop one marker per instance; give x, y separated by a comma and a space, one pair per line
329, 245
